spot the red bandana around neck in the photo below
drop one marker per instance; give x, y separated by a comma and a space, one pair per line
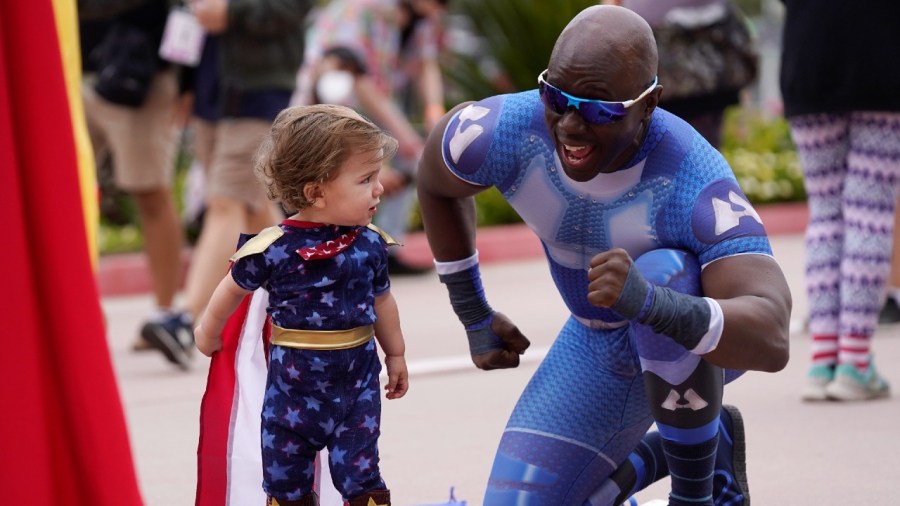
329, 249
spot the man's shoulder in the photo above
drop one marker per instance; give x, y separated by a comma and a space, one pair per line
478, 128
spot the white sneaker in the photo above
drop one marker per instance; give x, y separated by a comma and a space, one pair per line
817, 380
851, 385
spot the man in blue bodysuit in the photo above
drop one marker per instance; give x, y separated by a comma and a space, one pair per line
603, 177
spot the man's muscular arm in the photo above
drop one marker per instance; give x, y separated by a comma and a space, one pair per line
750, 289
448, 213
447, 202
756, 306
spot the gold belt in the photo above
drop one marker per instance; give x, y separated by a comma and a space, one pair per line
321, 339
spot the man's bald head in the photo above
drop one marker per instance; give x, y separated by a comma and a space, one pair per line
608, 38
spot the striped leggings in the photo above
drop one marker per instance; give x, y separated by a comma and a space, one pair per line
851, 165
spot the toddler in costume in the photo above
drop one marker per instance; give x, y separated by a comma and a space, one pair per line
325, 269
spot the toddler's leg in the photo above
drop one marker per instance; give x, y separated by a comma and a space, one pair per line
353, 432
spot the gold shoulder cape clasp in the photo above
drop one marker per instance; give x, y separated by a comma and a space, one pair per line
384, 235
258, 243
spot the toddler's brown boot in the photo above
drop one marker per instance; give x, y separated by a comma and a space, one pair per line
310, 499
372, 498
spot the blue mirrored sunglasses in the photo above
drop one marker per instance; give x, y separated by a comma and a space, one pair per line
595, 112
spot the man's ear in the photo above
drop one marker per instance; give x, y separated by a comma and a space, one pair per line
652, 100
314, 194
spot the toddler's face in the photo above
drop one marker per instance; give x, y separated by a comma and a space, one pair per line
353, 196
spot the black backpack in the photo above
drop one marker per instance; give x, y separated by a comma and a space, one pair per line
126, 62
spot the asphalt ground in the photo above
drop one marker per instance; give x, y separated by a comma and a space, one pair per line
445, 431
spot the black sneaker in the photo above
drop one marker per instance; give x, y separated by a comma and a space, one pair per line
173, 336
730, 480
890, 312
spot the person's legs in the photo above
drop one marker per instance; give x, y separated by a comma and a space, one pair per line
869, 196
822, 144
393, 218
353, 458
163, 241
224, 221
290, 442
143, 142
647, 465
234, 198
236, 203
581, 414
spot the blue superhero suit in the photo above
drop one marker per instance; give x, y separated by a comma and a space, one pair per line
320, 398
677, 201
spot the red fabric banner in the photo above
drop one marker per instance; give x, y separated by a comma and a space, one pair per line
63, 438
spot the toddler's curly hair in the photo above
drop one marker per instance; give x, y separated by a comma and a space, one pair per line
307, 144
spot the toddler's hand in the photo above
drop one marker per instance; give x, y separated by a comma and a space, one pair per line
398, 376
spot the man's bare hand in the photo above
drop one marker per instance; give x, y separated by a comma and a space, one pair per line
514, 344
607, 276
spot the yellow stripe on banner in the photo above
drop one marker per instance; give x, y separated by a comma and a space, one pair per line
70, 51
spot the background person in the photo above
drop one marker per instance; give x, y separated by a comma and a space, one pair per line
245, 77
140, 138
381, 57
709, 26
844, 116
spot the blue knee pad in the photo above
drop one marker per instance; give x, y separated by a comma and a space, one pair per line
676, 269
680, 271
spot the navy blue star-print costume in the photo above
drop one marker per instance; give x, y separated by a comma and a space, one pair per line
320, 398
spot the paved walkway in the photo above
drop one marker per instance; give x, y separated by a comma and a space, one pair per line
445, 431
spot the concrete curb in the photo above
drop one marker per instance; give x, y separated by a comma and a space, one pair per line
127, 273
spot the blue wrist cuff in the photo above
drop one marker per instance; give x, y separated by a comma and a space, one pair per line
467, 296
636, 296
482, 339
685, 318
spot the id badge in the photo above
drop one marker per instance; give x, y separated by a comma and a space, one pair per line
182, 40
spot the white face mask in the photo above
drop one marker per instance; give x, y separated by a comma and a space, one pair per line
335, 87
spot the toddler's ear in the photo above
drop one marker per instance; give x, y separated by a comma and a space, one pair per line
313, 193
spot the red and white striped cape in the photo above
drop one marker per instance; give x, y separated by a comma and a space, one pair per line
229, 461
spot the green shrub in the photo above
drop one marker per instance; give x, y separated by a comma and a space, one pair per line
762, 156
515, 38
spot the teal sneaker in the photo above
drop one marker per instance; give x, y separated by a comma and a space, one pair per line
851, 385
817, 380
